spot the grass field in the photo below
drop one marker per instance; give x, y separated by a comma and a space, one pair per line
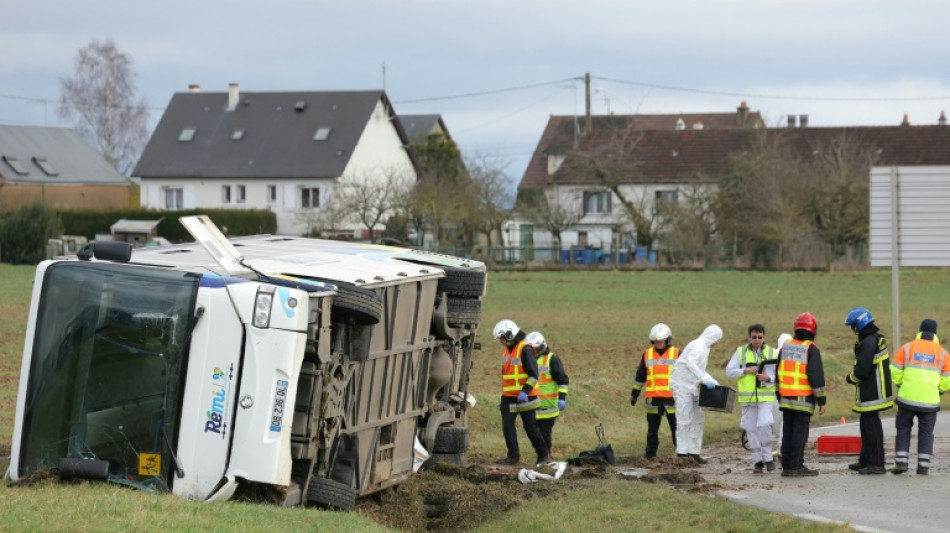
598, 323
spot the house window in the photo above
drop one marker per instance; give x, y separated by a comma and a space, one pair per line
582, 239
187, 134
323, 132
174, 197
670, 197
271, 193
597, 203
310, 197
241, 194
225, 194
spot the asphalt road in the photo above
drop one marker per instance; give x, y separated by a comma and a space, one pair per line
905, 503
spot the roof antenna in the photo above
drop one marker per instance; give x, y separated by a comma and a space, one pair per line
384, 75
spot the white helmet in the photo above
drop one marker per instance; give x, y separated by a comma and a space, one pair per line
505, 329
535, 339
660, 332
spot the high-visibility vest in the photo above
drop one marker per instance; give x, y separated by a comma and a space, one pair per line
793, 386
748, 384
547, 389
881, 402
659, 366
514, 378
922, 369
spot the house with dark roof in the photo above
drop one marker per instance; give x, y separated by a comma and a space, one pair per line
290, 152
56, 167
663, 155
420, 127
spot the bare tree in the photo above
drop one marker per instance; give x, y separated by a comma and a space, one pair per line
372, 196
553, 209
102, 100
494, 194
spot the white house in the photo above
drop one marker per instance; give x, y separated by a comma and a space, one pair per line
290, 152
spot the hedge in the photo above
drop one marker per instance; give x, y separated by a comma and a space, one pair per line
237, 221
24, 233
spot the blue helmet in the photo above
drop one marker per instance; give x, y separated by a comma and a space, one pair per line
858, 318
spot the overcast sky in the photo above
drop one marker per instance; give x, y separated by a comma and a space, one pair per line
495, 70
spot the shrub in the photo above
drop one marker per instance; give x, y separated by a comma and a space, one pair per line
24, 233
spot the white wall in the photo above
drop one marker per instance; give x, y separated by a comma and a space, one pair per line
923, 194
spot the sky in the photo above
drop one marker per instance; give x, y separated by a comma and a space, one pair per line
497, 69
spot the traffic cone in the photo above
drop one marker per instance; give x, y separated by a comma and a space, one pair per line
842, 420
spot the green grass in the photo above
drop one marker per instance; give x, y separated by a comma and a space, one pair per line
598, 323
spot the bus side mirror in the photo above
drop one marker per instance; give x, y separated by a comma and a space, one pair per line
106, 251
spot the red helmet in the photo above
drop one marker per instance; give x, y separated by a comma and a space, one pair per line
807, 322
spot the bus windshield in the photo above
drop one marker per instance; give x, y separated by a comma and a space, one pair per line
104, 379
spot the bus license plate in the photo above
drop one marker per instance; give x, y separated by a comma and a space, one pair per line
280, 400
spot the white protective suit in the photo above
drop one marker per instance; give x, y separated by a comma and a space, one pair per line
689, 372
776, 412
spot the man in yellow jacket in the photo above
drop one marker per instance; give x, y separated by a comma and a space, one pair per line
921, 368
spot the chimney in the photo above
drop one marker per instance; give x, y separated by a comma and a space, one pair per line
698, 125
233, 96
803, 121
943, 119
194, 88
905, 122
742, 114
791, 121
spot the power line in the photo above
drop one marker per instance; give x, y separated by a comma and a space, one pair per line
484, 93
773, 96
44, 101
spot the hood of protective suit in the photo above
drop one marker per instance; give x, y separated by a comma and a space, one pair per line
711, 335
690, 368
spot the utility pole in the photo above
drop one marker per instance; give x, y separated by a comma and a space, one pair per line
588, 126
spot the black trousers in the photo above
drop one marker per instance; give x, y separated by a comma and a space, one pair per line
653, 430
529, 421
794, 437
925, 435
872, 439
546, 427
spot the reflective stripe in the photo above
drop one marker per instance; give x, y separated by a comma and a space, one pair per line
529, 405
797, 403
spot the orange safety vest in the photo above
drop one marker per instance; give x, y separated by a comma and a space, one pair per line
793, 372
513, 377
658, 368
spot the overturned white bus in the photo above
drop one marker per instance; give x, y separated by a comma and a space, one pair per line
300, 370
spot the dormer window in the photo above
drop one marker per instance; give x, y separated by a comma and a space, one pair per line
187, 134
323, 132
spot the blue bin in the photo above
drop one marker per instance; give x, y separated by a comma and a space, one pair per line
622, 257
652, 257
641, 254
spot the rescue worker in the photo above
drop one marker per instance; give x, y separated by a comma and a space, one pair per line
519, 392
921, 370
689, 371
654, 373
801, 386
756, 394
552, 385
873, 393
776, 411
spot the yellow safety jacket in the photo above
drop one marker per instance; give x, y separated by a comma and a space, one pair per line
548, 389
922, 370
748, 385
514, 378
